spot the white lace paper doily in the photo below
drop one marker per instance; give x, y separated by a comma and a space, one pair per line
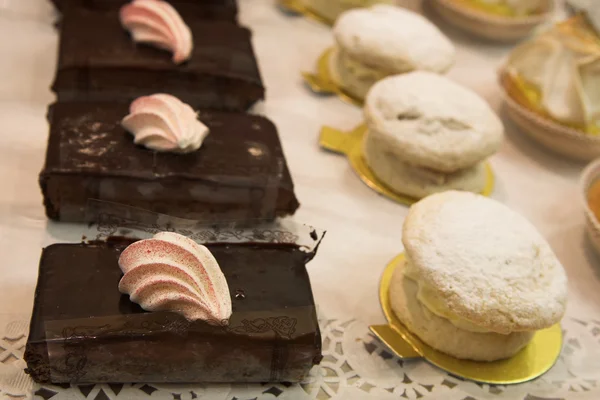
355, 366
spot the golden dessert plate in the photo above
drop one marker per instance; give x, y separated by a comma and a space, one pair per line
296, 7
350, 145
531, 362
323, 83
491, 26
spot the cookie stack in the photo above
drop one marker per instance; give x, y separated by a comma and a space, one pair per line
195, 56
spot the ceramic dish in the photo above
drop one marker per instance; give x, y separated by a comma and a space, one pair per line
559, 138
590, 175
490, 26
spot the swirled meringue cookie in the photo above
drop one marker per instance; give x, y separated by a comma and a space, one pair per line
331, 9
478, 280
557, 75
383, 40
162, 122
158, 23
171, 272
427, 134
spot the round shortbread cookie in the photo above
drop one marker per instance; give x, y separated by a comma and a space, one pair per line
431, 121
415, 181
484, 263
331, 9
393, 39
441, 334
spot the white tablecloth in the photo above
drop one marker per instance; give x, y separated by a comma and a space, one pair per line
364, 229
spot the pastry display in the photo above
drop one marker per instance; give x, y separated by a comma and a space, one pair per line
478, 279
383, 40
497, 20
217, 166
106, 56
331, 9
220, 313
206, 9
552, 82
418, 142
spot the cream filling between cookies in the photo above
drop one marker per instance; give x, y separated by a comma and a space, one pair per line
427, 297
361, 71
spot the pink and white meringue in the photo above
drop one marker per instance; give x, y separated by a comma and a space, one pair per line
164, 123
171, 272
158, 23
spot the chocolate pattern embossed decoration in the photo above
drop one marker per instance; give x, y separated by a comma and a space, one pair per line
282, 326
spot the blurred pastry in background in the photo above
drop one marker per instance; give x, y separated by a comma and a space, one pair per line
331, 9
427, 134
478, 279
591, 9
507, 8
383, 40
498, 20
552, 86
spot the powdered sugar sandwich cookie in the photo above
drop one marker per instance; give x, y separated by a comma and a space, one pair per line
427, 134
331, 9
373, 43
478, 280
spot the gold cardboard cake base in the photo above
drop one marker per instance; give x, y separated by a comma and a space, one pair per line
350, 145
297, 7
531, 362
323, 83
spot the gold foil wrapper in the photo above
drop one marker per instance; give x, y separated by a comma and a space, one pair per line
323, 83
297, 7
531, 362
350, 145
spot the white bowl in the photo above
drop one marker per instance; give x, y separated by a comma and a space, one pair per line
590, 175
489, 26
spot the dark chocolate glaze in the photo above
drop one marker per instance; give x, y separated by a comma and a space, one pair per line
205, 9
273, 333
239, 172
99, 61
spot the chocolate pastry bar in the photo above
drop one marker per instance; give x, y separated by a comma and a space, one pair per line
239, 173
84, 331
99, 61
225, 10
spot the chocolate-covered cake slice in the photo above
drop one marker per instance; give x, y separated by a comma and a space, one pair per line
225, 10
83, 330
239, 172
98, 60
